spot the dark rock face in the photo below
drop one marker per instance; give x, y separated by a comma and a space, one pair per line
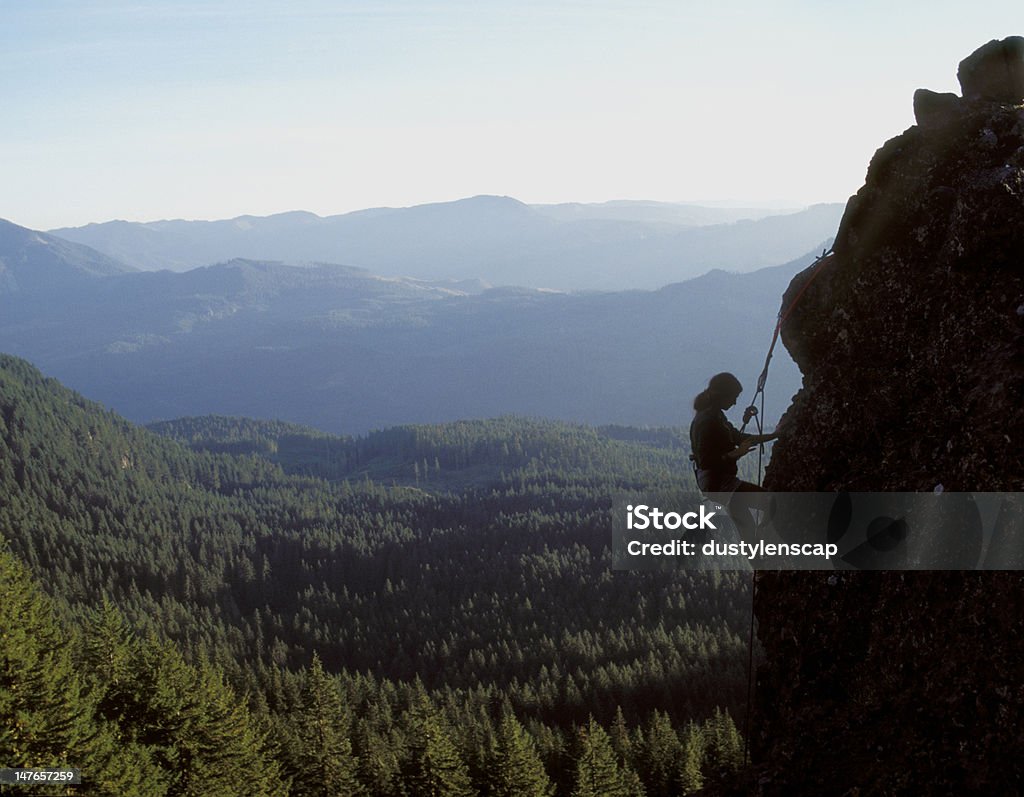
908, 338
994, 72
911, 343
932, 109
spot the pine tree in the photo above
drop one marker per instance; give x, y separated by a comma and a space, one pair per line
226, 743
724, 746
326, 766
597, 772
108, 655
517, 770
109, 646
691, 778
658, 756
434, 767
195, 727
377, 761
49, 713
619, 734
632, 786
45, 716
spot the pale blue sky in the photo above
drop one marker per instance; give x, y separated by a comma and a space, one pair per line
147, 110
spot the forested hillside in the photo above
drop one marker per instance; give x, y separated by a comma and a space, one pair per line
437, 602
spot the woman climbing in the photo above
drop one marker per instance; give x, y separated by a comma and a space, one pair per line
717, 446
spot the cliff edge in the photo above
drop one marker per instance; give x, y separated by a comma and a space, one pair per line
910, 338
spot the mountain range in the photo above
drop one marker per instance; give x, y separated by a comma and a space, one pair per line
344, 350
35, 261
610, 246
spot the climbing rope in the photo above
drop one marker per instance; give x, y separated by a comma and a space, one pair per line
750, 670
752, 413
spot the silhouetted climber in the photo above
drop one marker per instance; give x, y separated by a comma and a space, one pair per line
717, 446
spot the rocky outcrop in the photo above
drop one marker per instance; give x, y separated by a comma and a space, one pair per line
994, 72
910, 338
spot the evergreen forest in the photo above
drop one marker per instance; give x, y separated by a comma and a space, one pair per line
221, 606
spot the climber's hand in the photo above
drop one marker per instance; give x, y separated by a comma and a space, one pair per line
745, 447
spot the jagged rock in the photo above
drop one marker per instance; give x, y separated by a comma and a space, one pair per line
932, 109
919, 302
994, 71
911, 344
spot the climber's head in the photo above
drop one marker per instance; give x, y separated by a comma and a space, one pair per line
721, 393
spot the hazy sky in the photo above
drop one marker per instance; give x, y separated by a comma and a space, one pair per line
148, 110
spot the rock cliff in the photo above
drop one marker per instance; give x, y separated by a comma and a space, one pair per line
910, 338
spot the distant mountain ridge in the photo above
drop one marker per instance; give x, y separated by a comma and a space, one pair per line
31, 260
685, 214
613, 246
344, 350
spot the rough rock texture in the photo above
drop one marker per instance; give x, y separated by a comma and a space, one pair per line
911, 341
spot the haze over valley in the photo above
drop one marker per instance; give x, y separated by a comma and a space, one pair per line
347, 349
569, 247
